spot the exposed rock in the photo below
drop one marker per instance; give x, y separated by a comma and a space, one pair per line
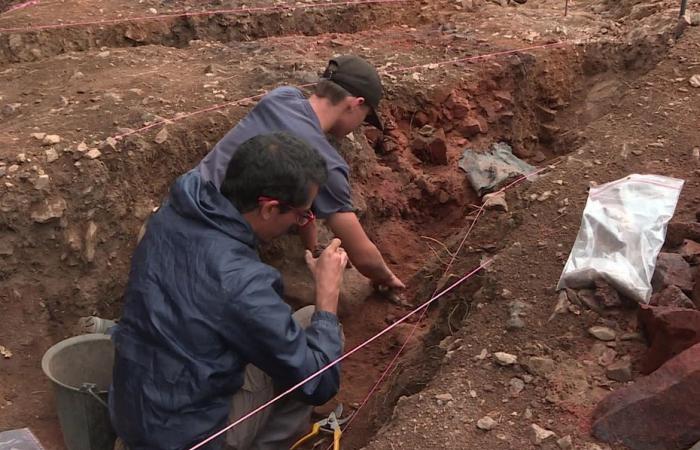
672, 270
162, 136
431, 149
540, 435
565, 443
516, 386
562, 306
672, 296
38, 136
444, 397
486, 423
656, 412
49, 209
93, 153
677, 232
606, 294
619, 371
51, 139
42, 182
517, 310
602, 333
505, 359
690, 250
90, 241
669, 331
51, 155
695, 81
495, 201
540, 366
470, 127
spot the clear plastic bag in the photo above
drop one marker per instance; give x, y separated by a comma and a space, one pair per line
622, 231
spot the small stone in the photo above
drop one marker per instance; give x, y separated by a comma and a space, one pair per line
38, 136
602, 333
515, 323
486, 423
51, 139
695, 81
505, 359
540, 435
619, 371
565, 443
690, 250
42, 182
527, 415
103, 54
562, 305
516, 386
606, 294
540, 366
21, 157
93, 154
51, 155
444, 397
82, 147
13, 168
152, 10
544, 196
162, 136
495, 201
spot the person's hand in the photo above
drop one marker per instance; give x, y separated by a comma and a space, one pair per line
327, 271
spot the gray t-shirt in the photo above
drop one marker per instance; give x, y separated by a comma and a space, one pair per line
285, 109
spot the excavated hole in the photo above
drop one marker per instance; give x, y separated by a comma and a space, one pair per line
410, 203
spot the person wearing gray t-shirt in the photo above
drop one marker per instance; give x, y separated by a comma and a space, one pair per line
347, 95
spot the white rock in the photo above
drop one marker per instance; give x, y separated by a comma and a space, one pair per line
13, 168
495, 201
444, 397
539, 434
82, 147
695, 81
162, 136
486, 423
51, 155
505, 359
152, 10
90, 241
38, 136
565, 443
93, 153
42, 182
51, 139
602, 333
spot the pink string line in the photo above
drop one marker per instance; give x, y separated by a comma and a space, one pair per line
285, 7
258, 96
20, 6
390, 368
346, 355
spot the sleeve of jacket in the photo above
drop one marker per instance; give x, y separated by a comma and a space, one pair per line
259, 325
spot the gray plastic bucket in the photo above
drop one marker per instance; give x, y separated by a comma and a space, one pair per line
81, 371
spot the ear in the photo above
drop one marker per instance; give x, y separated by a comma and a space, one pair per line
360, 101
267, 209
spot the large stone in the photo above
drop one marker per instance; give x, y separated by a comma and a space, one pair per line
540, 435
431, 149
602, 333
669, 331
672, 296
677, 232
672, 270
690, 250
658, 412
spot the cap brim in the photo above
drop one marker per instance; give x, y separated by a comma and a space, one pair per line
374, 120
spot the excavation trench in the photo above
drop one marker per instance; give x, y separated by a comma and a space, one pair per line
24, 42
415, 207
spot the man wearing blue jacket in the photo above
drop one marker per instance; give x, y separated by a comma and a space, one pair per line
201, 309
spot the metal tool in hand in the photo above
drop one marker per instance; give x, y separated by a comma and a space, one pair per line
330, 424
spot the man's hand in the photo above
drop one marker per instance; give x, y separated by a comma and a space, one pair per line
327, 271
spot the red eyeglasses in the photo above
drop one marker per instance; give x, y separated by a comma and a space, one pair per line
304, 216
